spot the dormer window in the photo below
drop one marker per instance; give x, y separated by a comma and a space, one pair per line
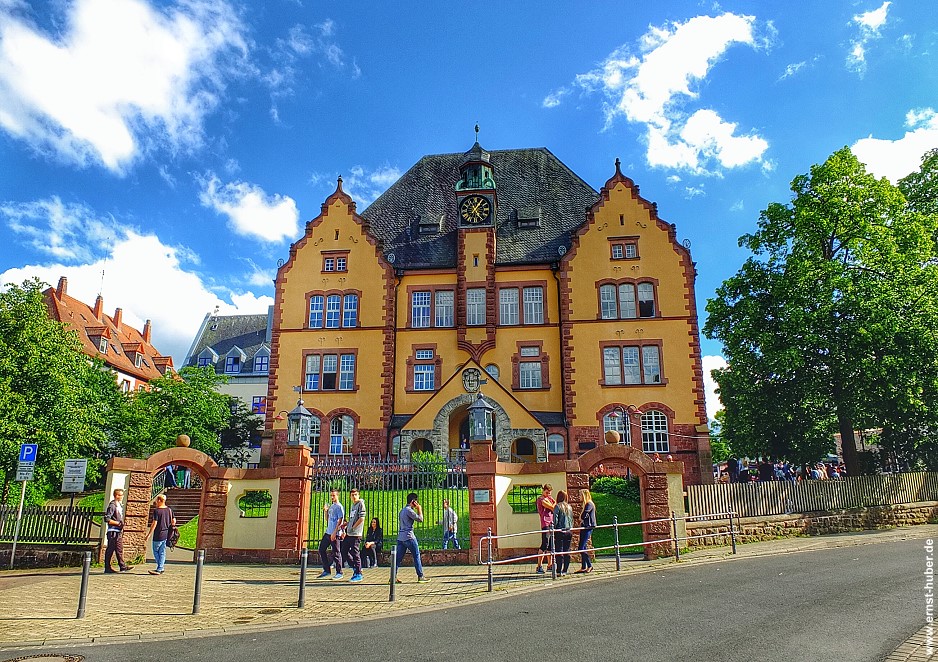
232, 364
261, 363
204, 361
138, 360
528, 217
102, 345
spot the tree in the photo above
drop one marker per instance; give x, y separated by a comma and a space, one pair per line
243, 432
833, 317
50, 393
183, 403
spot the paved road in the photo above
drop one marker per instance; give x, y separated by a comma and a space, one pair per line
854, 603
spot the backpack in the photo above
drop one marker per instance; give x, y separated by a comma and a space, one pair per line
173, 537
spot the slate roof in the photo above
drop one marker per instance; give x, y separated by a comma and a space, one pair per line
223, 332
526, 179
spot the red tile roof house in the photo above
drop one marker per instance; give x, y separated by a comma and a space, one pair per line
124, 349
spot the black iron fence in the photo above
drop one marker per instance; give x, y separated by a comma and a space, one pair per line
51, 524
384, 484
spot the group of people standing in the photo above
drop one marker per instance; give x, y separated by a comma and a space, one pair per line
161, 524
557, 520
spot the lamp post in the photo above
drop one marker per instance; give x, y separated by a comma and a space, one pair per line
618, 411
299, 425
480, 419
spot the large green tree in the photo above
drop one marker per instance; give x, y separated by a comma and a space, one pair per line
50, 393
829, 326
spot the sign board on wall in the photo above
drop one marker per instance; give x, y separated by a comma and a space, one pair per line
73, 478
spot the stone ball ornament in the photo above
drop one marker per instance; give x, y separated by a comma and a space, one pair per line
612, 437
183, 441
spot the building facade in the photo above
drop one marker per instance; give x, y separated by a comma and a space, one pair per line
571, 309
125, 350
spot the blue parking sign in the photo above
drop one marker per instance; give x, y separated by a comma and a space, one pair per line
28, 452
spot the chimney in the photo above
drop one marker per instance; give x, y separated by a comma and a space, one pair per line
118, 318
146, 332
99, 308
62, 288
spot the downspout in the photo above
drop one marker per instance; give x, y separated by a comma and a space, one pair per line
398, 277
555, 269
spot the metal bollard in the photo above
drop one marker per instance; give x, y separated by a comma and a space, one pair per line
732, 533
553, 554
304, 561
677, 543
615, 527
490, 559
83, 591
200, 559
392, 597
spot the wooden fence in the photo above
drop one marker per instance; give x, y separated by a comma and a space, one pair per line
52, 524
783, 497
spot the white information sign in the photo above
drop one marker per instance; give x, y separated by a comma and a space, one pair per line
73, 479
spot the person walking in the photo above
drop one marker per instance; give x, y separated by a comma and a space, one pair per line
354, 528
374, 542
161, 521
587, 524
114, 521
449, 525
329, 553
406, 540
563, 531
169, 472
545, 510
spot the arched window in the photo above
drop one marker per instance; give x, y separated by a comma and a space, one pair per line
492, 369
555, 444
315, 428
342, 432
654, 432
620, 423
350, 311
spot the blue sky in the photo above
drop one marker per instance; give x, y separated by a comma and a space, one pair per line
179, 147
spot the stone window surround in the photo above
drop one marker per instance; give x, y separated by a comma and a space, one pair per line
626, 281
516, 360
338, 351
412, 360
325, 295
623, 241
334, 254
634, 343
432, 289
520, 285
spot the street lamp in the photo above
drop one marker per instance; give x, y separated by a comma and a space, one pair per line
480, 419
618, 411
299, 425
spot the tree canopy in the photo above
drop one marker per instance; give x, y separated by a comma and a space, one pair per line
831, 325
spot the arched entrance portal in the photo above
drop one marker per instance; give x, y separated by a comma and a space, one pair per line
421, 445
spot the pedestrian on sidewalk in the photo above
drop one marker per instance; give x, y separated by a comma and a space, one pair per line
114, 521
563, 531
161, 521
587, 524
449, 525
545, 510
406, 540
374, 542
354, 528
329, 553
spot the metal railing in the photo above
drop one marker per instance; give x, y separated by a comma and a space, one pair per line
50, 524
487, 557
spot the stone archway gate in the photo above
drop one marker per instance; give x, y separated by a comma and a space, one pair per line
490, 481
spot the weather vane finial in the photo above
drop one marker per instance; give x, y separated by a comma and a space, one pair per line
477, 132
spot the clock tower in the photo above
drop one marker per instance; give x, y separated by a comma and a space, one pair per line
475, 189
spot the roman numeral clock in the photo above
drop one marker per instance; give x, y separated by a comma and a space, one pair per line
475, 210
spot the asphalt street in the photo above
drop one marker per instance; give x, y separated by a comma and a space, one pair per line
854, 603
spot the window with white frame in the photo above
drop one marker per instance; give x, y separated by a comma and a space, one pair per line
620, 423
232, 363
508, 306
492, 369
533, 305
328, 264
315, 430
330, 372
623, 365
423, 377
423, 354
555, 444
315, 311
475, 306
444, 307
333, 309
631, 250
654, 432
341, 435
646, 300
617, 252
102, 345
530, 374
341, 264
420, 310
350, 311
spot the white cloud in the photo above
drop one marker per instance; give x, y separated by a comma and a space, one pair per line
653, 88
894, 159
711, 363
122, 78
145, 278
302, 43
793, 69
69, 232
366, 185
870, 24
251, 212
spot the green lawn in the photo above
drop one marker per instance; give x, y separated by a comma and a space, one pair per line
188, 533
609, 506
95, 501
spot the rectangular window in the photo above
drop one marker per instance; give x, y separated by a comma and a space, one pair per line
204, 361
508, 306
475, 306
330, 365
631, 250
333, 306
424, 355
651, 365
617, 253
646, 300
444, 308
424, 377
347, 372
328, 264
350, 311
612, 371
259, 404
533, 305
607, 302
341, 264
261, 363
626, 301
530, 351
315, 311
530, 374
232, 363
313, 362
420, 310
631, 365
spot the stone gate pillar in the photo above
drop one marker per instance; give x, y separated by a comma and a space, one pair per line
480, 471
293, 507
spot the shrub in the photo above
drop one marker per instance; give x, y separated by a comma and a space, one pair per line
431, 469
622, 487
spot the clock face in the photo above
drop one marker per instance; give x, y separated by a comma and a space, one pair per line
475, 209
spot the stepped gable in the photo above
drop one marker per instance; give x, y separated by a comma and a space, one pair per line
526, 179
222, 332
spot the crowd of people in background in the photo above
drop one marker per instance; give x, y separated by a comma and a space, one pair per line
736, 470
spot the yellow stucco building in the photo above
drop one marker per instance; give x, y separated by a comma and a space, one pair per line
572, 310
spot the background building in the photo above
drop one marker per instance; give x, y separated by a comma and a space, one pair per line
124, 349
573, 310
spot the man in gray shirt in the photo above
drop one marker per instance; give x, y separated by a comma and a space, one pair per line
406, 540
354, 528
335, 517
